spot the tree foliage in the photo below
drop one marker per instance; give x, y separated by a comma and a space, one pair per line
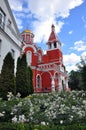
74, 80
82, 70
21, 76
24, 84
7, 80
77, 79
30, 82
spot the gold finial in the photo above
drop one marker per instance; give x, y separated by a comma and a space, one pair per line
53, 27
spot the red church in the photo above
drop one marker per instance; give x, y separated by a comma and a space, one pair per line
49, 73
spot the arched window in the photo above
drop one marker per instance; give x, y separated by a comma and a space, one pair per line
55, 45
29, 58
38, 82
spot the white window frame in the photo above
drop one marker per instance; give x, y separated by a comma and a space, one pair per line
38, 83
29, 57
2, 19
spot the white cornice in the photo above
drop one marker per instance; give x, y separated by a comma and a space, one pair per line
6, 35
11, 14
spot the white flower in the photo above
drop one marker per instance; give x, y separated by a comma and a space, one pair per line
0, 99
61, 121
14, 119
20, 104
84, 102
11, 113
1, 114
22, 118
18, 95
10, 95
71, 116
43, 123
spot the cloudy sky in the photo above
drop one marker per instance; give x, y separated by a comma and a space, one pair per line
69, 18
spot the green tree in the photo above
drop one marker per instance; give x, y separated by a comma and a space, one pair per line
7, 80
22, 77
30, 80
77, 79
74, 79
82, 70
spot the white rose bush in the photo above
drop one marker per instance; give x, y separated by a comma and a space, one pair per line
57, 108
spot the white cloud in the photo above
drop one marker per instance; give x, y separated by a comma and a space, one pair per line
70, 61
46, 9
20, 15
42, 30
71, 67
79, 46
83, 54
83, 19
46, 12
44, 52
16, 5
19, 23
70, 32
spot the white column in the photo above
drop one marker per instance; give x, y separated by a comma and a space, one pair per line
52, 46
53, 84
59, 84
66, 83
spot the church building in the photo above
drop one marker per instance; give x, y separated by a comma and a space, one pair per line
9, 34
49, 72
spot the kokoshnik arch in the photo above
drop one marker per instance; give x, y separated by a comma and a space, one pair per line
49, 72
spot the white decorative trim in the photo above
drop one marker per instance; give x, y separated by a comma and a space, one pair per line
31, 46
53, 84
29, 59
40, 81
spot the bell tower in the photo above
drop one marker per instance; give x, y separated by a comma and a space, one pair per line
54, 47
53, 41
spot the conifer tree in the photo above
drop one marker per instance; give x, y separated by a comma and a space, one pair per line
7, 82
30, 82
22, 77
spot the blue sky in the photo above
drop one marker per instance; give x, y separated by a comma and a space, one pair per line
69, 18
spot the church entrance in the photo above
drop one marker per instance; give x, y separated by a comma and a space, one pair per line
46, 82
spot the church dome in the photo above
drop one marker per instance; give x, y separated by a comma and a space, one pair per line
27, 31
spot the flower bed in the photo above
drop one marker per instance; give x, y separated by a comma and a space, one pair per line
58, 108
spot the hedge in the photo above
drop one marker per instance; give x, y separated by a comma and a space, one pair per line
26, 126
